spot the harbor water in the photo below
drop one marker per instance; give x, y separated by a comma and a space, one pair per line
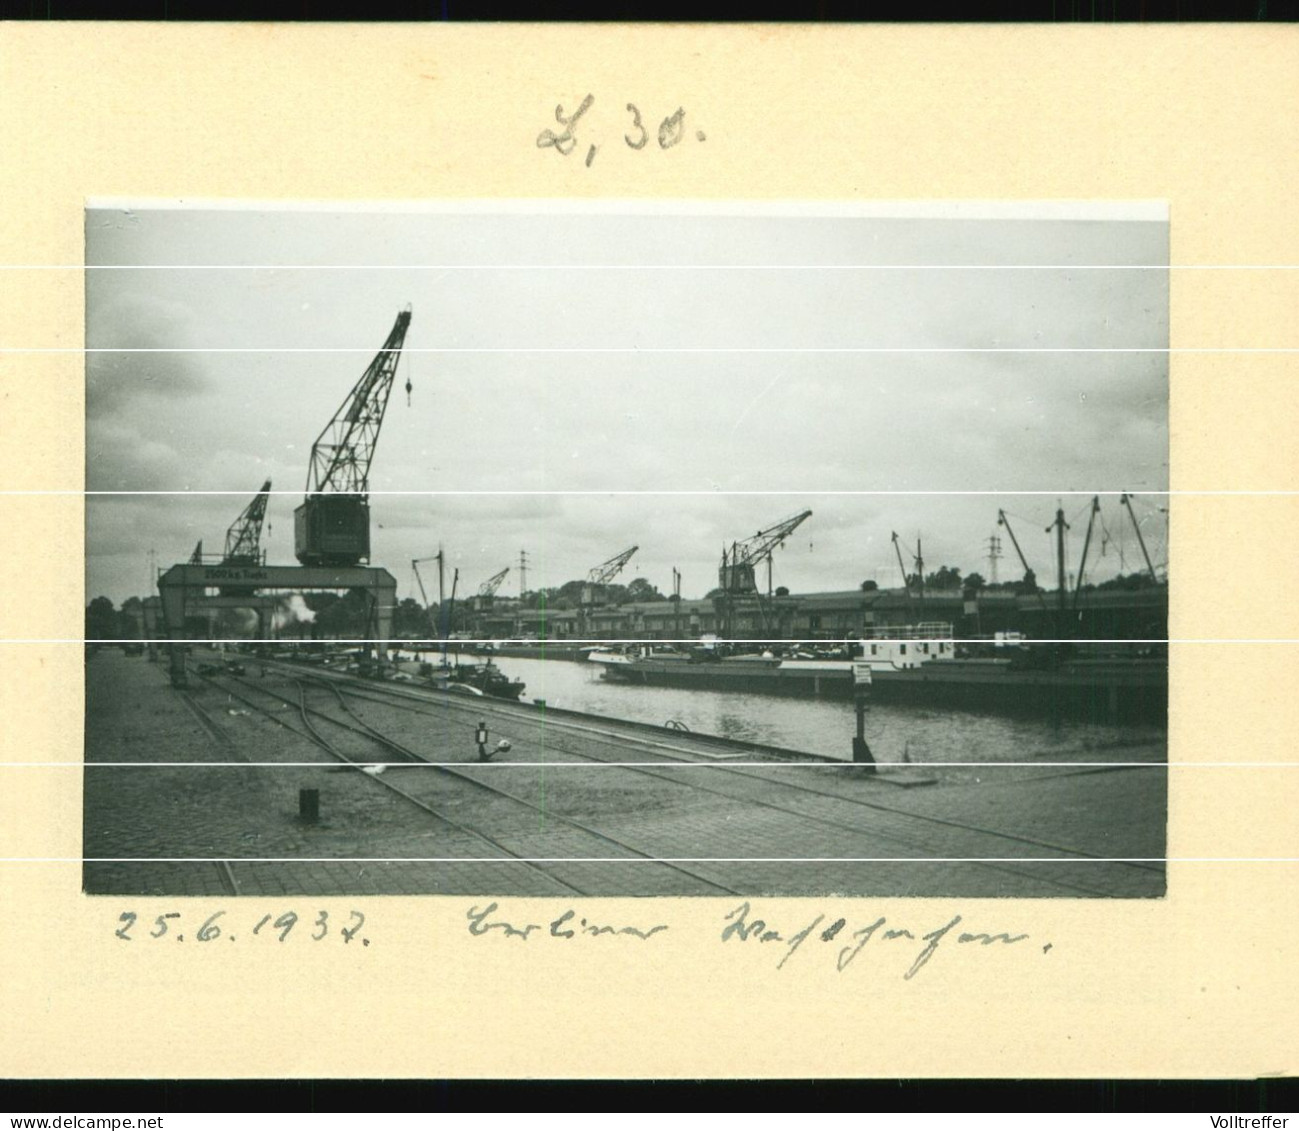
821, 726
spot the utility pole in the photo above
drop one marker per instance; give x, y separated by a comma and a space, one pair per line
1059, 526
676, 599
1087, 541
994, 553
442, 628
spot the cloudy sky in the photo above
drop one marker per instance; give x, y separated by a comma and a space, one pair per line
755, 365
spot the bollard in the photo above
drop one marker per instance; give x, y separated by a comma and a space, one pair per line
862, 756
309, 806
861, 752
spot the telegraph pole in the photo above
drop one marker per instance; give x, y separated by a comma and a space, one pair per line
994, 553
442, 596
1059, 526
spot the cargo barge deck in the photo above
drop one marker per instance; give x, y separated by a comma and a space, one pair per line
1109, 690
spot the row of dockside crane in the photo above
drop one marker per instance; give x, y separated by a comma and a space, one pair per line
332, 526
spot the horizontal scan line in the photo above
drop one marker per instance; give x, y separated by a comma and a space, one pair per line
826, 765
436, 645
370, 350
648, 267
718, 493
650, 860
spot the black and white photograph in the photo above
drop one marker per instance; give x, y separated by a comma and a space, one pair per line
582, 549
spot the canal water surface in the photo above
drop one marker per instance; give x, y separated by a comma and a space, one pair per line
895, 733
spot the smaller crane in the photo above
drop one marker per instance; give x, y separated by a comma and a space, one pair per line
1126, 501
607, 571
1030, 578
599, 576
918, 556
489, 587
244, 538
738, 571
438, 626
737, 574
482, 602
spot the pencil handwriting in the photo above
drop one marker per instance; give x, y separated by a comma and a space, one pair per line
743, 926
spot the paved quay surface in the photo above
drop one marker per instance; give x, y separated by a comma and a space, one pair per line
197, 793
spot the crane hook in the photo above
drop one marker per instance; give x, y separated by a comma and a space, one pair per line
408, 389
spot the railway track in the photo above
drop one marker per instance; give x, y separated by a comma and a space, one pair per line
314, 721
219, 735
763, 783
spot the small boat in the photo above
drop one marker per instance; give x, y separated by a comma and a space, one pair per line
605, 656
486, 678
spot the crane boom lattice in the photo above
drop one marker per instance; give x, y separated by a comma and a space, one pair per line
738, 564
344, 450
607, 571
489, 587
244, 538
332, 527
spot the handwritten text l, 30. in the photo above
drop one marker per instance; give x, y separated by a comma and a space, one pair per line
671, 130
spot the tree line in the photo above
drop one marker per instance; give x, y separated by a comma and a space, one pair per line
347, 614
950, 579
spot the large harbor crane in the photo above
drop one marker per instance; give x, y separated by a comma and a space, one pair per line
244, 538
332, 526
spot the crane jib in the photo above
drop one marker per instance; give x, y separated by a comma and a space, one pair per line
332, 525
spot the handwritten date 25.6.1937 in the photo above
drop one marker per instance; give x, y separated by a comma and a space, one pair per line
205, 929
671, 130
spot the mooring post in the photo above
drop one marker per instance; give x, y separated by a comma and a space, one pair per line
861, 752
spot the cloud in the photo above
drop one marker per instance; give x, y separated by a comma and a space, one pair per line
626, 421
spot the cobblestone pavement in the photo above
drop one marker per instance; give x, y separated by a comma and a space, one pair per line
236, 798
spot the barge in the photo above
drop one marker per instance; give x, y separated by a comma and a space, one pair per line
1105, 689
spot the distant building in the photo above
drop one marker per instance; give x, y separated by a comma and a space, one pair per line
1106, 614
